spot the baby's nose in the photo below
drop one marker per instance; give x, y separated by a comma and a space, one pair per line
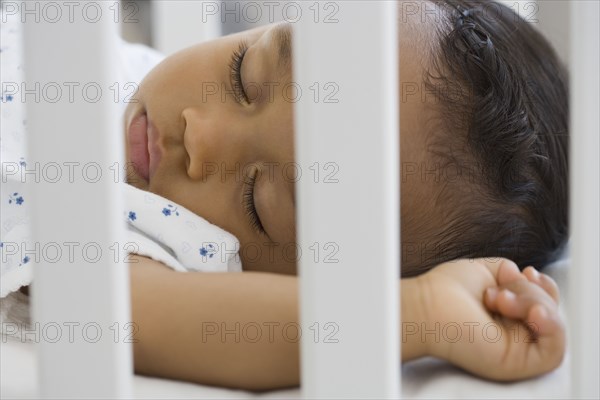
212, 145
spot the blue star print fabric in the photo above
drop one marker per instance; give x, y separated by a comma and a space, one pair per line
175, 236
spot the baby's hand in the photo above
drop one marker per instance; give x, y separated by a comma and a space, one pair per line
495, 321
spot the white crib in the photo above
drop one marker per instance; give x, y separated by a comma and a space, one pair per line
78, 370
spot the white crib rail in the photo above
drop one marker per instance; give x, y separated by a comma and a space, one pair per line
584, 275
83, 294
182, 23
348, 198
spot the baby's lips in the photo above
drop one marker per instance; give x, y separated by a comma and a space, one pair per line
137, 136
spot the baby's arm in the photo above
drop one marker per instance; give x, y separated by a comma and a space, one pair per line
177, 313
181, 319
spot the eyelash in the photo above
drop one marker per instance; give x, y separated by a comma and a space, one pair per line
249, 205
235, 68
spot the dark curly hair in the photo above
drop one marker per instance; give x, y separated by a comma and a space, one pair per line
502, 102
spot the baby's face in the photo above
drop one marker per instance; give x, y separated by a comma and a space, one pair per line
220, 147
218, 118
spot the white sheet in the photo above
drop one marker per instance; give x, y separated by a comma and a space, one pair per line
425, 378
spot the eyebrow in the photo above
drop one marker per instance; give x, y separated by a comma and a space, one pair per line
283, 39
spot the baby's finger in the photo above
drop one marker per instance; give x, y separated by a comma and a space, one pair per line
503, 270
516, 299
551, 287
490, 298
549, 336
544, 281
508, 272
526, 301
543, 321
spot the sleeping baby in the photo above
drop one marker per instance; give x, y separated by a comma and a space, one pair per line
212, 131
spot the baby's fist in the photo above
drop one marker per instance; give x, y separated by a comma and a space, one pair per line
484, 294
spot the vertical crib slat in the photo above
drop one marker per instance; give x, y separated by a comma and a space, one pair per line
83, 294
584, 276
347, 133
179, 24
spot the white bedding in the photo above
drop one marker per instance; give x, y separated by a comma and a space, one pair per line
425, 378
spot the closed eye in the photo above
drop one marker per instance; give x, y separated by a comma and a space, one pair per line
235, 68
249, 205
